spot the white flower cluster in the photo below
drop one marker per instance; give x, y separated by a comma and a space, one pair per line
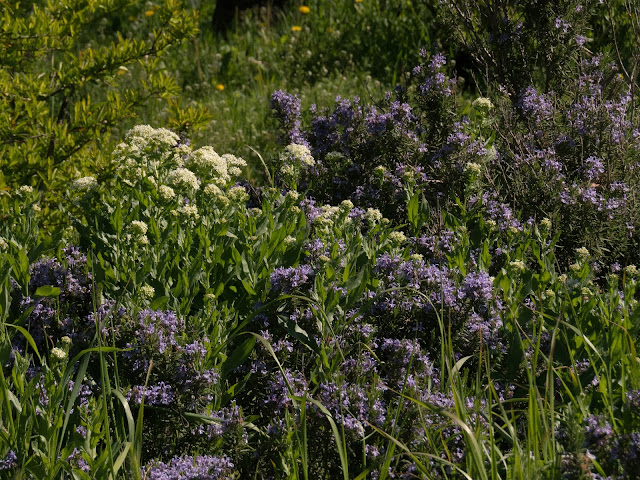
293, 158
145, 137
58, 353
147, 291
166, 192
325, 221
583, 253
289, 241
138, 227
472, 168
144, 150
299, 154
373, 215
397, 237
518, 266
238, 194
85, 184
215, 192
183, 177
482, 103
3, 244
346, 206
190, 211
545, 223
220, 169
292, 195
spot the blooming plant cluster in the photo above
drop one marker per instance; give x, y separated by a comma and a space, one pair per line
433, 284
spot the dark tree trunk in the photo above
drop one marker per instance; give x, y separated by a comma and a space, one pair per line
225, 11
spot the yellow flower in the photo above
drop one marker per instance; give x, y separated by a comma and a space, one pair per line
220, 87
304, 9
149, 13
296, 28
358, 1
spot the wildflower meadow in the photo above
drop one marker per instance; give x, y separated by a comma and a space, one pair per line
319, 239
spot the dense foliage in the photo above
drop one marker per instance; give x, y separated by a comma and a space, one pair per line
438, 281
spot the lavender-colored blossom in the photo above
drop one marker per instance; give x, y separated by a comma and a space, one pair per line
70, 314
159, 328
288, 279
477, 286
286, 108
279, 396
538, 106
189, 468
598, 432
224, 420
9, 462
76, 459
160, 394
593, 168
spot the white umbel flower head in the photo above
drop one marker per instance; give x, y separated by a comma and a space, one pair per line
166, 192
138, 227
146, 137
144, 151
518, 266
298, 154
147, 291
215, 192
190, 211
58, 353
397, 237
583, 253
482, 103
183, 177
238, 194
373, 215
85, 184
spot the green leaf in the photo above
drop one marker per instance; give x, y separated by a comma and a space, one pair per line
238, 356
247, 286
47, 291
158, 303
29, 338
412, 210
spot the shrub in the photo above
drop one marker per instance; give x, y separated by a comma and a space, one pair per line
62, 94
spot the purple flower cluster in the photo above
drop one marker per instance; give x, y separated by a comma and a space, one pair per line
633, 400
77, 460
159, 328
288, 279
160, 394
71, 313
598, 433
286, 108
350, 406
350, 140
537, 106
9, 462
223, 420
433, 81
189, 468
279, 394
470, 301
179, 375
